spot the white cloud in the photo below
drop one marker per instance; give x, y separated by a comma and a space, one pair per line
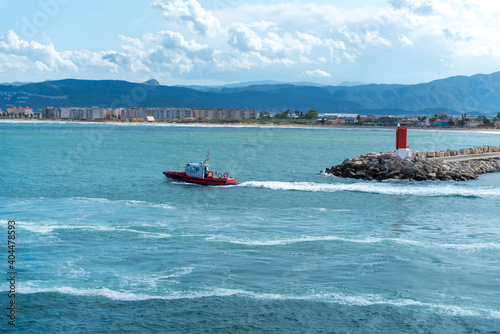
11, 63
166, 52
176, 40
191, 13
41, 66
87, 60
133, 41
318, 74
43, 57
244, 39
283, 38
466, 28
296, 15
373, 38
275, 46
404, 40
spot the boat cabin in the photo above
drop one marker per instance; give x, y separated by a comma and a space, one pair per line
196, 169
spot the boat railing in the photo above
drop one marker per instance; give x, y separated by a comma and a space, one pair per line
178, 168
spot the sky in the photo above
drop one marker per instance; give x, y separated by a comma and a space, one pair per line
215, 42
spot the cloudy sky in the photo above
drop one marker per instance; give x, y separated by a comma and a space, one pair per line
227, 41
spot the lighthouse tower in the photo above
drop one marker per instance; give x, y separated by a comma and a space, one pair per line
402, 148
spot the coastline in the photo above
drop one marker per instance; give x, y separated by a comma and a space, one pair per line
263, 125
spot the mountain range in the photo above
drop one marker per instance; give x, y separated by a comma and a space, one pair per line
477, 94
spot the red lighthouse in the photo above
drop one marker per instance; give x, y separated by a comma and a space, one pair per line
402, 148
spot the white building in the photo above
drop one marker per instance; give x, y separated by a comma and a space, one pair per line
96, 113
20, 111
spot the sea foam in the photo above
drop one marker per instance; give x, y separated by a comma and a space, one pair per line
44, 228
133, 203
333, 298
404, 189
275, 242
367, 240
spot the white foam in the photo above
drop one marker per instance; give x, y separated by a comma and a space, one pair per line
276, 242
73, 270
370, 299
400, 189
334, 298
472, 247
104, 292
468, 247
89, 200
179, 273
153, 280
132, 296
133, 203
44, 229
367, 240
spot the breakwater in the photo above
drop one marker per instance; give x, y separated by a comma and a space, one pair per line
445, 165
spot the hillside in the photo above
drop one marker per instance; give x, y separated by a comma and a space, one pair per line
478, 93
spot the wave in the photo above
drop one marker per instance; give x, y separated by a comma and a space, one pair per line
131, 296
472, 247
164, 278
44, 229
154, 280
367, 240
179, 273
133, 203
402, 189
221, 238
88, 200
333, 298
49, 228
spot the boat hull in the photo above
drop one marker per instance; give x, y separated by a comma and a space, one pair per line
207, 181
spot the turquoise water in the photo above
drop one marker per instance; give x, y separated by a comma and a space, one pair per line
105, 244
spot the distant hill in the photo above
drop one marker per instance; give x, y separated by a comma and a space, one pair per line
351, 83
15, 83
152, 82
250, 83
479, 93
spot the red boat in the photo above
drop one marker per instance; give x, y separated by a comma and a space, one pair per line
198, 173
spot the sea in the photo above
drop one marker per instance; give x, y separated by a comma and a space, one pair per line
104, 243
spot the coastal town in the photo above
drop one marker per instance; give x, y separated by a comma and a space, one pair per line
184, 115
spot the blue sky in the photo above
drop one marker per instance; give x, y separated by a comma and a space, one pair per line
226, 41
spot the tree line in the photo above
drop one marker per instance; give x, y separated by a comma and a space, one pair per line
311, 114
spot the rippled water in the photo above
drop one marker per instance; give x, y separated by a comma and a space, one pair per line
107, 244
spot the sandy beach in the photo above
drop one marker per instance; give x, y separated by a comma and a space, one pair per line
266, 125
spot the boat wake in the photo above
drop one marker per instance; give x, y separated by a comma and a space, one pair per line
403, 189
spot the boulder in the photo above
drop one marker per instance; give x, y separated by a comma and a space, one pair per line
357, 163
387, 166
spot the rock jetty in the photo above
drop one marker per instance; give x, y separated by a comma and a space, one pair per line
421, 166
